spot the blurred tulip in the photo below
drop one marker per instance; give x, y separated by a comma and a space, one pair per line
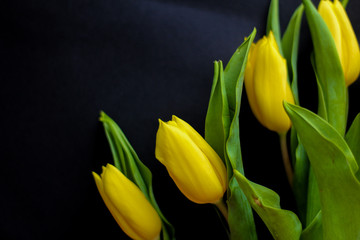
267, 85
194, 166
342, 31
128, 205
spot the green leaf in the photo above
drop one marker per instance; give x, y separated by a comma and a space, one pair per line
273, 23
334, 167
328, 68
353, 140
300, 181
217, 122
314, 231
313, 200
322, 111
241, 221
344, 3
331, 89
283, 224
127, 161
313, 206
290, 45
234, 79
222, 133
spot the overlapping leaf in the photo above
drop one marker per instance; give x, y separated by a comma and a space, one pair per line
328, 69
273, 23
290, 45
222, 133
353, 140
331, 89
334, 167
283, 224
238, 206
127, 161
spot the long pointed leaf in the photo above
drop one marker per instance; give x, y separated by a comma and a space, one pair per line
222, 133
314, 231
128, 162
217, 122
290, 44
334, 167
283, 224
328, 68
273, 23
241, 219
353, 140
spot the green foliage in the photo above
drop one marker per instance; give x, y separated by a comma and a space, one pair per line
127, 161
222, 133
283, 224
290, 45
353, 140
273, 23
314, 231
334, 167
331, 89
328, 69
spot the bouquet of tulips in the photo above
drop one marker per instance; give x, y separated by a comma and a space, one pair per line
321, 160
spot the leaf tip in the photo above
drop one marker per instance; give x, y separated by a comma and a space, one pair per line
102, 116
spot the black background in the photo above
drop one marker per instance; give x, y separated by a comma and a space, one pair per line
64, 61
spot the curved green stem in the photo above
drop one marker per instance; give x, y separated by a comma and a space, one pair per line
286, 159
222, 208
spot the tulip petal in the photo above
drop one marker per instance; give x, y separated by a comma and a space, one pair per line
187, 165
127, 161
350, 55
327, 13
211, 155
249, 80
140, 217
271, 86
113, 210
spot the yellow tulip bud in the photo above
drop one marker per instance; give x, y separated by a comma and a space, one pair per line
128, 205
344, 36
266, 84
194, 166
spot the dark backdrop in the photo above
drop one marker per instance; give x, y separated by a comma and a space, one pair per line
64, 61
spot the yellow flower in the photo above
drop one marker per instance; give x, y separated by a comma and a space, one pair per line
267, 86
194, 166
346, 43
128, 205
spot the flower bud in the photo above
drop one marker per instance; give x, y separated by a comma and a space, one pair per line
195, 167
128, 205
266, 84
342, 31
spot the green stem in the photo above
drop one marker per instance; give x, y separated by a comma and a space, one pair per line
222, 208
286, 159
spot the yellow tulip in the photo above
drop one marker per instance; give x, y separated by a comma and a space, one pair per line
342, 31
128, 205
194, 166
266, 84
